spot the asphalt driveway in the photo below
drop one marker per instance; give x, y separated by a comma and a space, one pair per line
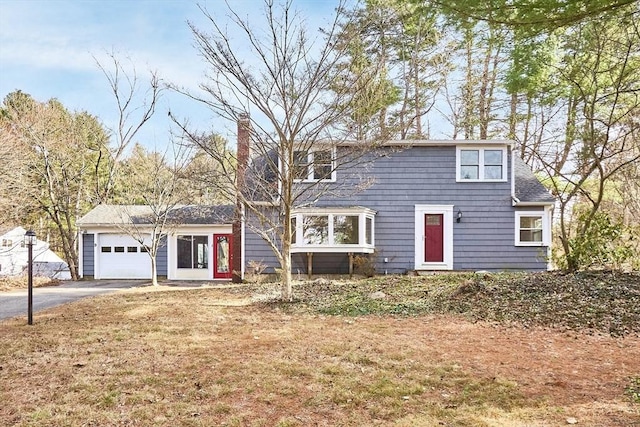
15, 303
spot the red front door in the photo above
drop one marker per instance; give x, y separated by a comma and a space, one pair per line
433, 238
222, 256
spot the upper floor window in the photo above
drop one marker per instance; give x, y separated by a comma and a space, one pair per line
314, 165
481, 164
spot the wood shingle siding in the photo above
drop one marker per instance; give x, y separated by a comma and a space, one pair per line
426, 175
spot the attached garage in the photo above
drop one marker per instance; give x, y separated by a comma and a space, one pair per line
121, 257
195, 244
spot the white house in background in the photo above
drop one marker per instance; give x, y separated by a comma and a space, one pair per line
14, 257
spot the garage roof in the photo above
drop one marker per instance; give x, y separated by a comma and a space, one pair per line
143, 214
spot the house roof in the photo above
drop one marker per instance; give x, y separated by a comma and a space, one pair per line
447, 142
142, 214
527, 187
206, 214
11, 229
422, 142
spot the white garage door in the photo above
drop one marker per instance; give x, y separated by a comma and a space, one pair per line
122, 257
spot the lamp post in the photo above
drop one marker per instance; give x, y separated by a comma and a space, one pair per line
30, 240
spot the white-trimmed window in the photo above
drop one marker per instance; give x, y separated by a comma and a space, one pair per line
481, 164
193, 252
333, 230
532, 228
314, 165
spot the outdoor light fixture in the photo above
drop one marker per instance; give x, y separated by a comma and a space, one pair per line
459, 215
30, 240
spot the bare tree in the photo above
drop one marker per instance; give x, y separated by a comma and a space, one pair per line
16, 205
135, 104
284, 89
153, 180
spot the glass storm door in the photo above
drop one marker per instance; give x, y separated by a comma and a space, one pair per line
433, 238
222, 256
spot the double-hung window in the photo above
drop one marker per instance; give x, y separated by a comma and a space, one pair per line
314, 165
481, 164
532, 228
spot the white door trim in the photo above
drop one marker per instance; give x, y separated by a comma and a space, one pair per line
447, 241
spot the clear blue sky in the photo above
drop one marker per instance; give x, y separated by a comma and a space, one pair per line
47, 49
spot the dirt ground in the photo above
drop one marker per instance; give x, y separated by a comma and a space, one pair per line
206, 357
582, 372
576, 377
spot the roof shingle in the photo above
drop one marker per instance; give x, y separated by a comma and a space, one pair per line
142, 214
528, 188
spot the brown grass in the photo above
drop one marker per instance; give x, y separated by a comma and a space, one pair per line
207, 357
14, 283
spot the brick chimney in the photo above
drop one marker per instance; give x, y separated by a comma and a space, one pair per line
242, 157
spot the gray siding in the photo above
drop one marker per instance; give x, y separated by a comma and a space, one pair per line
162, 258
87, 255
483, 240
321, 263
256, 249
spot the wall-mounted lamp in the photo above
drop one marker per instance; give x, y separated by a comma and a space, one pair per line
459, 215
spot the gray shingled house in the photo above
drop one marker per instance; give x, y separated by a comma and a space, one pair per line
427, 205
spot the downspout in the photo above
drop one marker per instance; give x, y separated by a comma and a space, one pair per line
80, 241
549, 212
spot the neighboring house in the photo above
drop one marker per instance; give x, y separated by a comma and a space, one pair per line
196, 244
14, 257
426, 205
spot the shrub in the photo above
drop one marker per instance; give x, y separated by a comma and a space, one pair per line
602, 243
364, 265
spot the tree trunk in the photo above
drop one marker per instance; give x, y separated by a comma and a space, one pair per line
285, 275
154, 270
468, 86
513, 116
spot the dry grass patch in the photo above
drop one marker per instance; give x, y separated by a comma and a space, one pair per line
201, 358
13, 283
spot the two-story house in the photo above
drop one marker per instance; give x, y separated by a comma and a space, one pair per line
426, 205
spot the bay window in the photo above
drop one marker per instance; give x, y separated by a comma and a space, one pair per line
333, 230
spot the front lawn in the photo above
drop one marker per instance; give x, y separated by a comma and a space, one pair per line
386, 351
